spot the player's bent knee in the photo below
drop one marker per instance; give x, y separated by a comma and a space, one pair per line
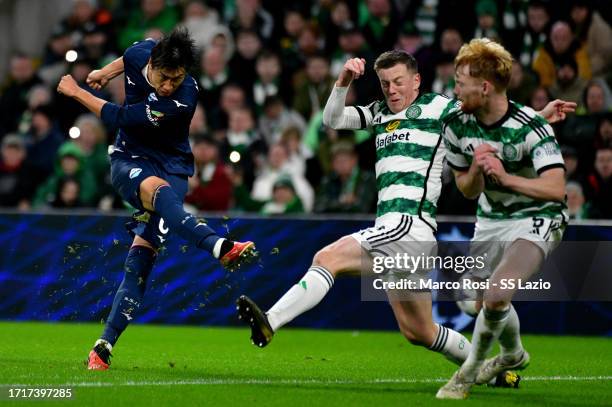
496, 305
147, 190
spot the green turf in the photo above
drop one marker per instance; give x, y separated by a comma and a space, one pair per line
211, 366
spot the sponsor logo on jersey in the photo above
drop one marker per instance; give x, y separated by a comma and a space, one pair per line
384, 141
392, 126
129, 81
549, 149
509, 152
413, 112
134, 172
153, 115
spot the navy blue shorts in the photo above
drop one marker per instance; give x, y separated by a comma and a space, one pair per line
127, 173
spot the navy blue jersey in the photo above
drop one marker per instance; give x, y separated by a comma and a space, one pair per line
151, 125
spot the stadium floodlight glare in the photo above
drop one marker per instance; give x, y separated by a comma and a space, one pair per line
234, 156
71, 55
74, 132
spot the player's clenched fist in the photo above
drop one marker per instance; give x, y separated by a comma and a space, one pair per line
353, 69
96, 79
68, 86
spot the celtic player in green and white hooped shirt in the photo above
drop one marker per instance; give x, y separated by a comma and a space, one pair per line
506, 155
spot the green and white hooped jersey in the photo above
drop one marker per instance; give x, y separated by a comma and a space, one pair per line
409, 155
526, 146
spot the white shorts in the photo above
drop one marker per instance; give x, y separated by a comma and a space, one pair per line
494, 237
394, 234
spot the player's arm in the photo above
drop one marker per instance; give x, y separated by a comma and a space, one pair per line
548, 186
147, 114
69, 87
336, 114
557, 110
99, 78
541, 145
468, 176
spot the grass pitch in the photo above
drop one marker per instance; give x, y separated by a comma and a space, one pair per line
171, 365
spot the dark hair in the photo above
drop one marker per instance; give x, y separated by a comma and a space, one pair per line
174, 51
391, 58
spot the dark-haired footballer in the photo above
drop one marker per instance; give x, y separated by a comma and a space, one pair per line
150, 162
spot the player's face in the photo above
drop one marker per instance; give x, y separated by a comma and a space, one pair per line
399, 85
166, 81
469, 90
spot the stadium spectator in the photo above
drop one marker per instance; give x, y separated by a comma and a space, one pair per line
444, 81
276, 166
522, 84
297, 152
562, 45
488, 26
214, 75
283, 198
242, 64
539, 98
252, 16
570, 157
67, 193
210, 189
595, 32
347, 189
599, 184
311, 94
69, 163
568, 85
13, 98
54, 63
339, 18
536, 33
93, 143
604, 131
232, 97
202, 22
152, 14
576, 204
268, 82
276, 118
596, 98
16, 183
379, 23
43, 139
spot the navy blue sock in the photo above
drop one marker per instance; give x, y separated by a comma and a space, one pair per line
138, 266
167, 204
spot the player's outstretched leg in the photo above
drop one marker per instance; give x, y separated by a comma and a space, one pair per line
138, 266
157, 195
342, 256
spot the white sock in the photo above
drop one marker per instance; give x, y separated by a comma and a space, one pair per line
489, 326
217, 248
301, 297
105, 343
510, 337
454, 346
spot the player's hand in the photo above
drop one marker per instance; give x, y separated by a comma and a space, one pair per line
68, 86
492, 167
352, 69
557, 110
482, 152
96, 80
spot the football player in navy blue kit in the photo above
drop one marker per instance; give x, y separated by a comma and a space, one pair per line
150, 162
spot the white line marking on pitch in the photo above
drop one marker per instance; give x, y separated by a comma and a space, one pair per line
208, 382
